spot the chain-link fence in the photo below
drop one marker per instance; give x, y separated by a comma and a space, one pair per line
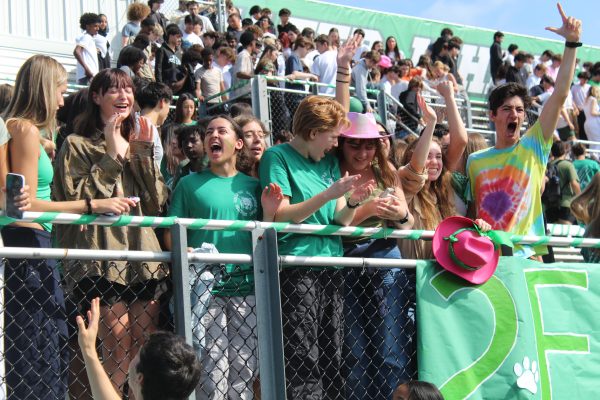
348, 333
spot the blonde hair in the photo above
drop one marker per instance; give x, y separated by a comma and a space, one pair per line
594, 91
475, 143
442, 66
35, 95
318, 114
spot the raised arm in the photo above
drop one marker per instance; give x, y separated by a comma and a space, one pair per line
571, 31
342, 80
458, 133
100, 384
419, 156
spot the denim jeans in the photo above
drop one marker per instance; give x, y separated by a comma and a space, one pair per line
379, 350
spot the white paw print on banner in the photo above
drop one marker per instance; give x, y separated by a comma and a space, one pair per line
527, 376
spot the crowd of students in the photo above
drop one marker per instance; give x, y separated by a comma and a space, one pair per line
346, 334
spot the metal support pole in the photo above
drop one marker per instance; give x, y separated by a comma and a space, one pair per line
181, 283
181, 286
382, 107
268, 314
221, 16
260, 100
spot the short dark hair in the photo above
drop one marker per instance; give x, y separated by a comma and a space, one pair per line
185, 131
583, 75
254, 9
247, 22
141, 41
302, 41
548, 53
130, 55
547, 79
207, 51
454, 43
512, 47
359, 32
88, 19
520, 57
240, 108
179, 371
578, 149
423, 390
192, 19
498, 34
148, 95
246, 38
559, 149
285, 11
446, 31
147, 22
506, 91
172, 29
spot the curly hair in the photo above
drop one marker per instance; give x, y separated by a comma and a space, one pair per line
137, 11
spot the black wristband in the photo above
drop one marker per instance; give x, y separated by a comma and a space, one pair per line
573, 45
88, 204
403, 220
350, 206
337, 80
343, 73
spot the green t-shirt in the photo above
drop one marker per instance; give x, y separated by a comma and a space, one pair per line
586, 169
567, 174
301, 178
206, 195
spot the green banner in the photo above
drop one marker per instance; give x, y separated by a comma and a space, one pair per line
415, 34
531, 332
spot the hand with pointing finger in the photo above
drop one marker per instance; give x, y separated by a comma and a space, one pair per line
570, 29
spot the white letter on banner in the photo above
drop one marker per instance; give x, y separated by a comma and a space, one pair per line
474, 65
419, 46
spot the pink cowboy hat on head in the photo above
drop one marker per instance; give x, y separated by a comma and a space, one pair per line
385, 62
459, 247
362, 126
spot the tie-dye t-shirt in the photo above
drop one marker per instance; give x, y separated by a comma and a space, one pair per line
505, 185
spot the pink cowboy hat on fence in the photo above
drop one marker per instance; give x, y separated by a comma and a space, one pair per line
460, 248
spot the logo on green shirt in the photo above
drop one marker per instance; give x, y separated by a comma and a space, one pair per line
245, 204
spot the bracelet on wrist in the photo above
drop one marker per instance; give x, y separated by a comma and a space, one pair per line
573, 45
337, 80
403, 220
343, 73
88, 205
350, 206
346, 68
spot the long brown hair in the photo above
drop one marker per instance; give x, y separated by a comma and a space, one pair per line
437, 200
381, 165
91, 120
586, 207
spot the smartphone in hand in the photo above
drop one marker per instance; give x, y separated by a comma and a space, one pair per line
14, 184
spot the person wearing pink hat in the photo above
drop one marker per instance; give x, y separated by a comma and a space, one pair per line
375, 311
314, 192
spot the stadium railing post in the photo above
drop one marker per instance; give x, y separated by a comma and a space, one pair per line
260, 100
382, 105
268, 314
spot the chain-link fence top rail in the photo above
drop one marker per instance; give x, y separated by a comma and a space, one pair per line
574, 239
